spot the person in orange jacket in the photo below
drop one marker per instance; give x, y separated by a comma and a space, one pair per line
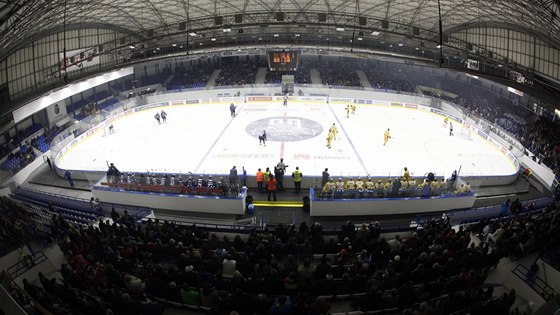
260, 180
271, 187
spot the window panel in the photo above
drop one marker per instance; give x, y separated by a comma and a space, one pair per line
540, 65
544, 54
92, 41
3, 79
515, 57
24, 69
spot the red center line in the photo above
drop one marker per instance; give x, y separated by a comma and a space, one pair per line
282, 144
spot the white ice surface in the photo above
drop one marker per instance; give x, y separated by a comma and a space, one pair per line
203, 138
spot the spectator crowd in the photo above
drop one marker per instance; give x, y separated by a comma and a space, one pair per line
238, 73
437, 269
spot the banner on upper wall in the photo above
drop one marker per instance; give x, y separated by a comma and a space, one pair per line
56, 112
260, 98
312, 98
341, 100
472, 64
362, 101
77, 59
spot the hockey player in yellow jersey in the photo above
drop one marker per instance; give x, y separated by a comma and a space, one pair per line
434, 184
369, 184
386, 136
348, 108
406, 175
460, 190
350, 184
329, 188
445, 122
329, 139
411, 183
379, 189
388, 184
334, 131
360, 184
340, 185
353, 109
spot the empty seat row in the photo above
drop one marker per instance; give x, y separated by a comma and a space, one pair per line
68, 213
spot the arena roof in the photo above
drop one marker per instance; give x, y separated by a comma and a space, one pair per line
24, 20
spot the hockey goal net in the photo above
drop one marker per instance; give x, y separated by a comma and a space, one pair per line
466, 131
107, 130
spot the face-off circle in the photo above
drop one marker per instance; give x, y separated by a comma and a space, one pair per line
287, 129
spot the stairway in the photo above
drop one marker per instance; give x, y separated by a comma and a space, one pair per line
260, 77
315, 76
363, 79
213, 77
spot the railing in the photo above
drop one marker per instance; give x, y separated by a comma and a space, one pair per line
482, 212
551, 258
534, 282
231, 228
26, 262
137, 212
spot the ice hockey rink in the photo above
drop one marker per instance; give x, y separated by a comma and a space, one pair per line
205, 139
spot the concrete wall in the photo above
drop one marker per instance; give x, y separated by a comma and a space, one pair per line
171, 202
540, 171
21, 176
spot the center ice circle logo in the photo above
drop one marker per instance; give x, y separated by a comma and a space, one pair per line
286, 129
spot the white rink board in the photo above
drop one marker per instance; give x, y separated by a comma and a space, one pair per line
203, 138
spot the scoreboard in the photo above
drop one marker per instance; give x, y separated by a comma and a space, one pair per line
283, 60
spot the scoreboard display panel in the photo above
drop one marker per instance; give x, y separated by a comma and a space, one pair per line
283, 60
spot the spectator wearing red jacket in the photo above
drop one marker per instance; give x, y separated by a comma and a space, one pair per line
271, 187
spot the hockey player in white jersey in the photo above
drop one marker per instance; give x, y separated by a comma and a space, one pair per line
200, 182
210, 183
